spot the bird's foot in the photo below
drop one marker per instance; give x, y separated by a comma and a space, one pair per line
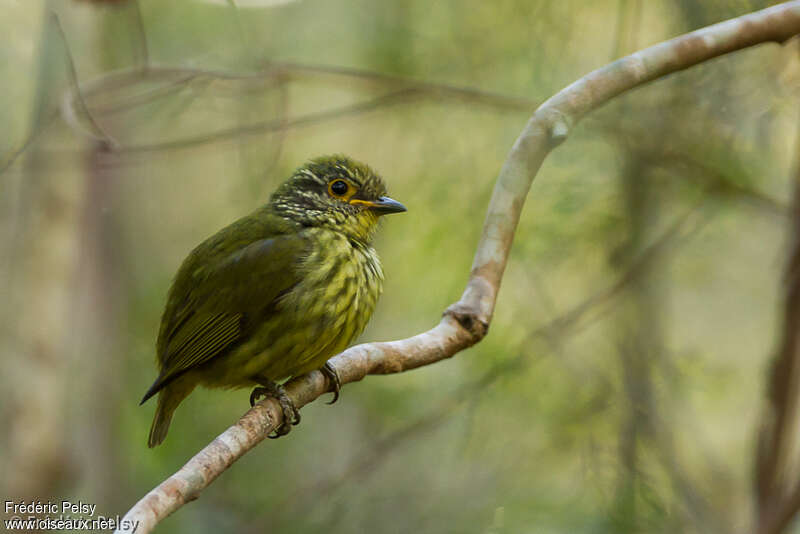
333, 376
291, 416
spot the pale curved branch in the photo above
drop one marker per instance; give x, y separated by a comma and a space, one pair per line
466, 322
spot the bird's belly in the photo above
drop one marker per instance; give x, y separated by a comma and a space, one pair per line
318, 319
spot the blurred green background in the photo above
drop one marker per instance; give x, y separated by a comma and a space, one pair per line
620, 386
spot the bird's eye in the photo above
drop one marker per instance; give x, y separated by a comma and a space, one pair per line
338, 188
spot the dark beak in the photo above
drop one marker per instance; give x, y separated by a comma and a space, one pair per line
385, 205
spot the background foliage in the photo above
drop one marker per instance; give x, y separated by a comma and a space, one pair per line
620, 387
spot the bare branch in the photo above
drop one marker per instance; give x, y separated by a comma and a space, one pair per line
38, 129
95, 131
470, 94
466, 322
143, 55
292, 71
275, 125
777, 487
176, 79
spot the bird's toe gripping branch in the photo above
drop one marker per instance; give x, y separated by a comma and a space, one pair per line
291, 415
333, 377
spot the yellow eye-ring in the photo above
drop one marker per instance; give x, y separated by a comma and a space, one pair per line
340, 189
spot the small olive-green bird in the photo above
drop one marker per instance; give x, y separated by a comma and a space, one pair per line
277, 293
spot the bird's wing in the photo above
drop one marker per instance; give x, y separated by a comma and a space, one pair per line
221, 302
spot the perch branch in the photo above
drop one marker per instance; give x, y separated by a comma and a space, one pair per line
466, 322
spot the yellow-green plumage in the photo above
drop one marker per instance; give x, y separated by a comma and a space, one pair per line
276, 293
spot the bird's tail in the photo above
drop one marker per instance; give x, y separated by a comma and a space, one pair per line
168, 399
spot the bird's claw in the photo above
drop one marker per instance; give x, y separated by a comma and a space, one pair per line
256, 394
291, 415
330, 372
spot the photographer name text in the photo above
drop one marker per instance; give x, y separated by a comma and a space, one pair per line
50, 507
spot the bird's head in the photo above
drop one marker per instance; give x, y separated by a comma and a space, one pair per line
337, 193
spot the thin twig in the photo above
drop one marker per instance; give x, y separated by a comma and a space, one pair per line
471, 94
38, 130
144, 54
280, 72
275, 125
68, 111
